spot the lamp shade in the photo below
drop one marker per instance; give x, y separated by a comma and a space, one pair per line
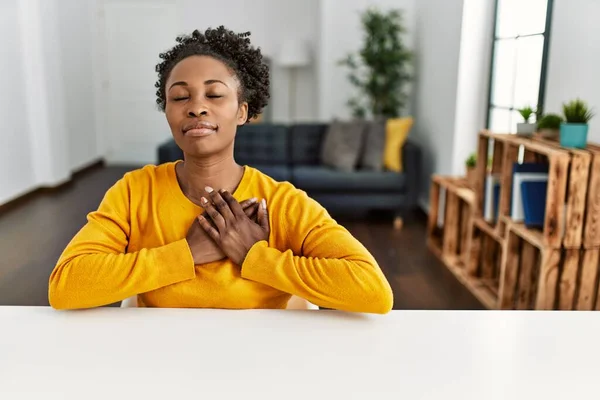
294, 53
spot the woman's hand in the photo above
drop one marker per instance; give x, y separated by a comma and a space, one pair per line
233, 231
204, 249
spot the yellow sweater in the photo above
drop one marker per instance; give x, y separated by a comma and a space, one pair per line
134, 244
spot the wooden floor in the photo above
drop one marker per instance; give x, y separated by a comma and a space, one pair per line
33, 235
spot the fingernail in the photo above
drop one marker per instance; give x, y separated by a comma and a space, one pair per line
200, 218
208, 189
253, 200
222, 191
264, 204
203, 200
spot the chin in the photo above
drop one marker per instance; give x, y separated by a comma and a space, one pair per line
203, 148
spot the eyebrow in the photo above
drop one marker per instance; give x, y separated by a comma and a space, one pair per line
207, 82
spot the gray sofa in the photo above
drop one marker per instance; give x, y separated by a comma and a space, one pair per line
292, 153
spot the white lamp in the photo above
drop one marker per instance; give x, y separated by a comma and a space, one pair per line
293, 54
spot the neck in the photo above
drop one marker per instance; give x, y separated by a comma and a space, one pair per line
194, 174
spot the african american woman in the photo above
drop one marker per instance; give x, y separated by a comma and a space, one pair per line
206, 232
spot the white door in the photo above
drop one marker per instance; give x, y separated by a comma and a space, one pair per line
131, 36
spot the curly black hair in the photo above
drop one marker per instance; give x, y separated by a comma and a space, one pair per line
233, 49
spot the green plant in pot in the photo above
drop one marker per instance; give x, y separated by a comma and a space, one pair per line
526, 128
574, 131
470, 164
549, 125
380, 69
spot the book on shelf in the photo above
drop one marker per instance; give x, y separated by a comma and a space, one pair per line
523, 173
491, 197
534, 202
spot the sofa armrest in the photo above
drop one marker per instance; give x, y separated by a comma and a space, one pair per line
169, 152
411, 165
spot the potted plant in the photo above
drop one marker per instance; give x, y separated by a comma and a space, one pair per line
470, 164
574, 131
549, 126
526, 128
380, 69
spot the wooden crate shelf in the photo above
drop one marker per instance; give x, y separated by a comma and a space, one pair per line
520, 271
507, 147
591, 234
485, 251
542, 278
485, 290
451, 241
583, 196
505, 264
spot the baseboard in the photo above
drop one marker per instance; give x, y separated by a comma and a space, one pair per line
88, 166
84, 169
41, 190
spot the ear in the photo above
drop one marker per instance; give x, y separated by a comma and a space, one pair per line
242, 113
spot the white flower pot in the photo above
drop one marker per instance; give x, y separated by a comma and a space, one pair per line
526, 128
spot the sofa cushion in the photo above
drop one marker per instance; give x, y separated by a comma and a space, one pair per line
278, 172
397, 131
371, 156
265, 144
342, 145
329, 179
306, 141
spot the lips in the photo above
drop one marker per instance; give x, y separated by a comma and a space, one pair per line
199, 127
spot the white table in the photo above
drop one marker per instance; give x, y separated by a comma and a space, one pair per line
137, 353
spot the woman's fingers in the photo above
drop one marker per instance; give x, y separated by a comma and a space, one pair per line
263, 216
248, 203
221, 205
251, 211
208, 228
250, 207
234, 206
214, 215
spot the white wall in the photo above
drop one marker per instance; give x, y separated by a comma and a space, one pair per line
341, 33
75, 37
473, 79
437, 47
271, 22
126, 60
574, 58
45, 95
16, 165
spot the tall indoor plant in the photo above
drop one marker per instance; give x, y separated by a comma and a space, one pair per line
380, 68
573, 132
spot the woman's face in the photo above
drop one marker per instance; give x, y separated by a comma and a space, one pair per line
202, 106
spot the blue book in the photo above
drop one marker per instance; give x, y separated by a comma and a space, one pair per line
534, 202
530, 168
496, 200
524, 172
490, 196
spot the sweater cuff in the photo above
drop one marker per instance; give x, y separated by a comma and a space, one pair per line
174, 262
257, 265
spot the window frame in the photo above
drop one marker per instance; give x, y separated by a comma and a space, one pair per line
544, 67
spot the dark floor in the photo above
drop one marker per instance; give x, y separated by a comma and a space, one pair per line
33, 235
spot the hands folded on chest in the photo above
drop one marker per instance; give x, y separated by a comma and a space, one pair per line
227, 229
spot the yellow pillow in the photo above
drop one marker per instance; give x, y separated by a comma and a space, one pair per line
396, 132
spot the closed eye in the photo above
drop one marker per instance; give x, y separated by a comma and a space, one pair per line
180, 98
214, 96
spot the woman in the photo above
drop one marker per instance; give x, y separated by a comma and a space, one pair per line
191, 233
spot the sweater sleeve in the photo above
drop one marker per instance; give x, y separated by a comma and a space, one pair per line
95, 270
325, 264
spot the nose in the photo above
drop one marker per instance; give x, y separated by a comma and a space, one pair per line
197, 109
